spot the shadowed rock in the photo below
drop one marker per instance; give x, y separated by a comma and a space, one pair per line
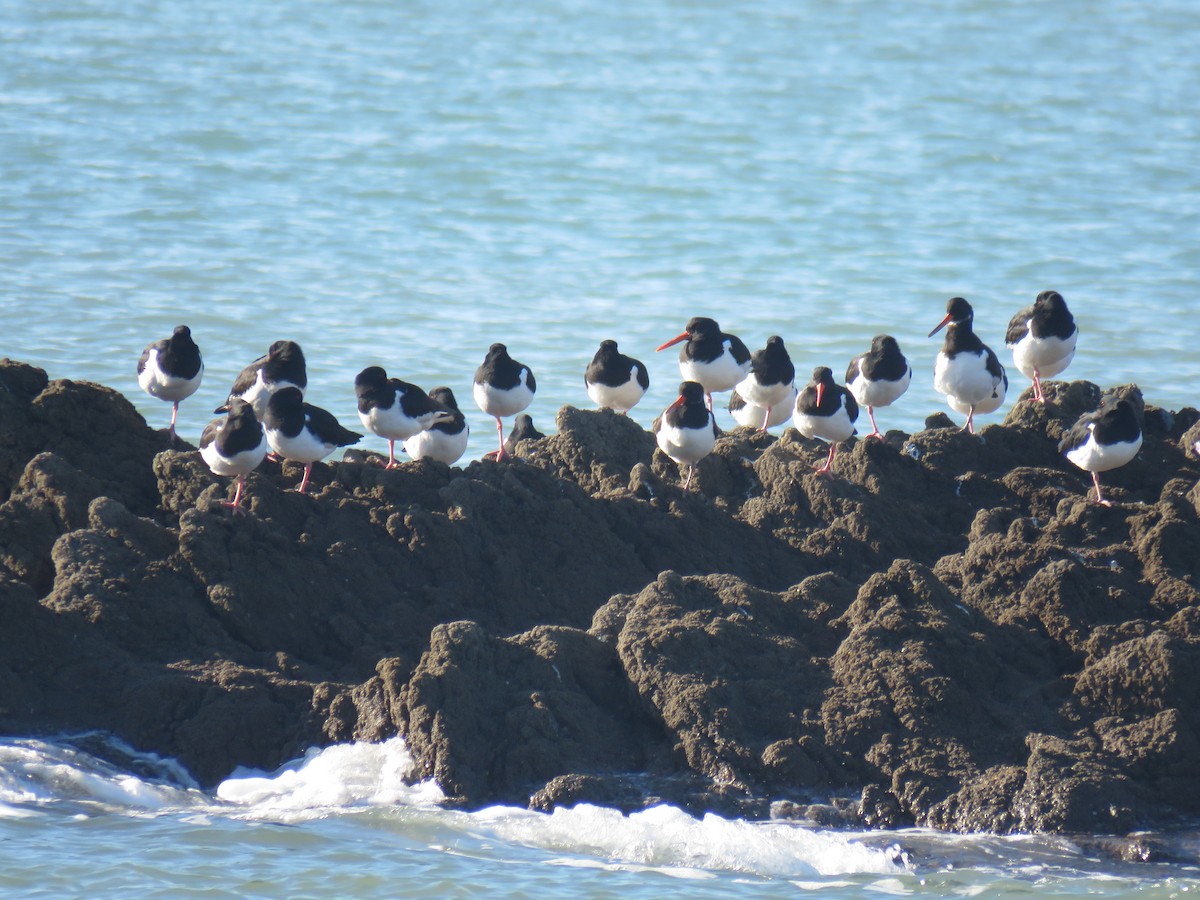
944, 628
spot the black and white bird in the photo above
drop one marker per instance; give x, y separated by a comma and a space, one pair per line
1103, 439
302, 432
503, 387
827, 411
967, 371
234, 445
713, 359
393, 409
283, 366
523, 430
771, 380
171, 370
687, 429
615, 381
752, 416
879, 377
1042, 338
445, 441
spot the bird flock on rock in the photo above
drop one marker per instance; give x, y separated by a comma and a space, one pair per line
266, 408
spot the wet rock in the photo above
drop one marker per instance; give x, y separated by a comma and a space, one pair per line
492, 718
946, 624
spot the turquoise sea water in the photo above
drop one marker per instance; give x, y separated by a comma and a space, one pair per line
404, 183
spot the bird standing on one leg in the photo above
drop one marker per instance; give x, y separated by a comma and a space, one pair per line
302, 432
687, 430
967, 371
715, 360
393, 409
1042, 338
879, 377
1103, 439
827, 411
171, 370
503, 387
771, 380
234, 445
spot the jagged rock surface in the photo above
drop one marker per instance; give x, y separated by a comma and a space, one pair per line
947, 627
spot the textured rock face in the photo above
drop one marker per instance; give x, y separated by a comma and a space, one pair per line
947, 627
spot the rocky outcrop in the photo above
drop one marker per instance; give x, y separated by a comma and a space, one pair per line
947, 632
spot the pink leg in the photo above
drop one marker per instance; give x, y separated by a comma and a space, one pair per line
828, 460
970, 426
1039, 395
766, 419
708, 400
876, 433
304, 480
235, 505
391, 463
500, 454
174, 416
1099, 496
688, 481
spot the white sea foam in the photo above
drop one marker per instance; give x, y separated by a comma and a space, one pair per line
667, 836
347, 775
662, 838
34, 772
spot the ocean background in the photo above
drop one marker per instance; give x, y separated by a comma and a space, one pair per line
405, 183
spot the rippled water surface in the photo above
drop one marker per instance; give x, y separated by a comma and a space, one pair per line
342, 822
405, 183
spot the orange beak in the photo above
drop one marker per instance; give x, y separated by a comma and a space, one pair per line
678, 400
941, 325
820, 392
672, 342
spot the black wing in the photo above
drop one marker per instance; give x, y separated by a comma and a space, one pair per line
210, 433
854, 368
740, 354
643, 376
1018, 326
160, 346
851, 405
993, 366
1078, 433
328, 428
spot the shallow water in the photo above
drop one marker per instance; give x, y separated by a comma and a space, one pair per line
403, 184
342, 821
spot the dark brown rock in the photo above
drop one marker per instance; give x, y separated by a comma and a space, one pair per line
946, 624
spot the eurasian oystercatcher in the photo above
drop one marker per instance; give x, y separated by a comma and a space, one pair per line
752, 416
827, 411
503, 387
445, 441
393, 409
614, 380
713, 359
283, 366
879, 377
1103, 439
171, 370
687, 429
302, 432
967, 371
523, 430
234, 445
771, 380
1042, 338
